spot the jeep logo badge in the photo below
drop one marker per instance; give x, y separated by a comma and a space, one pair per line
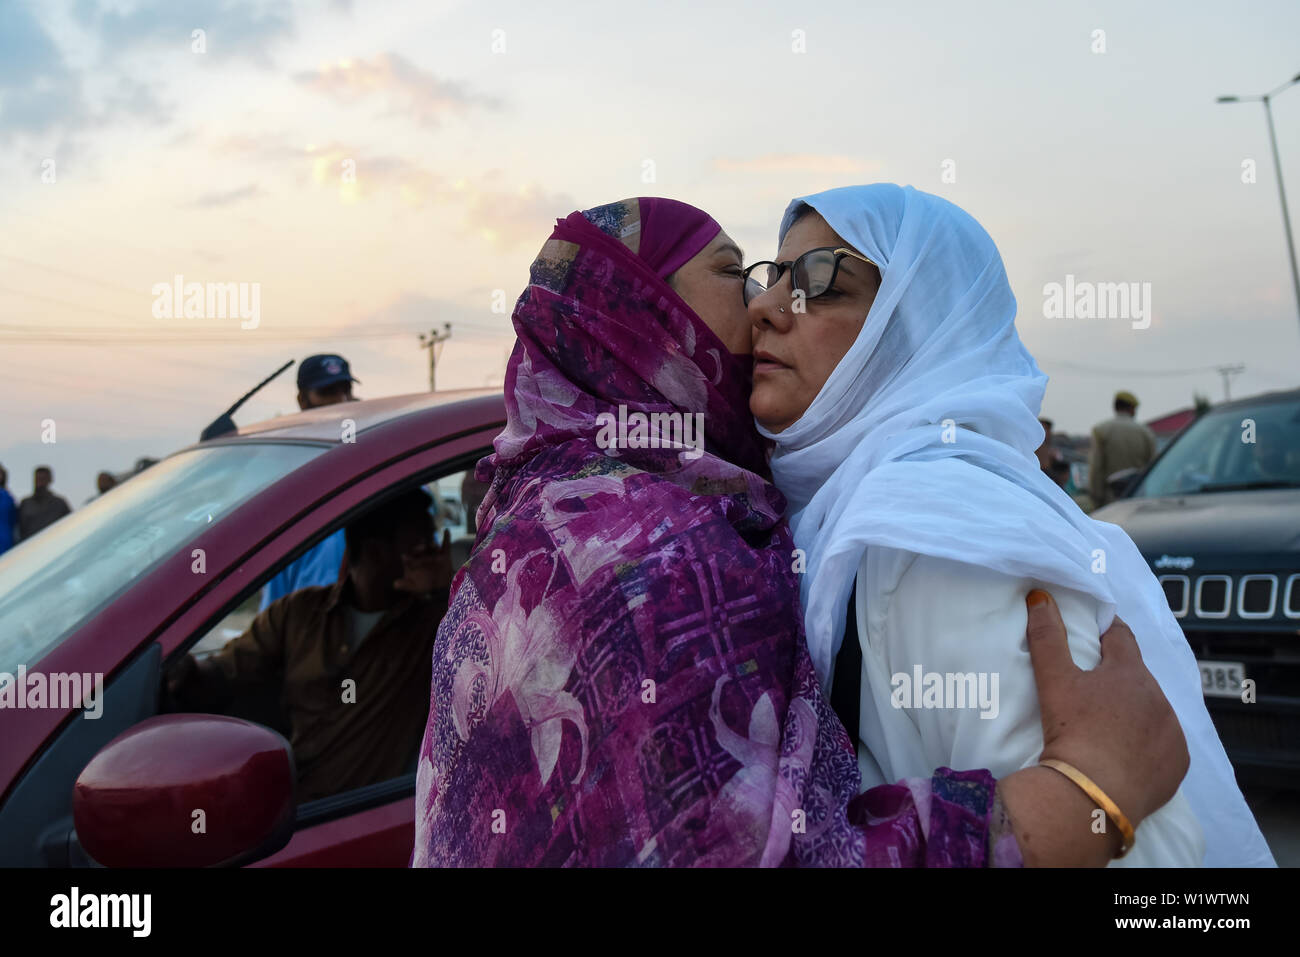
1182, 562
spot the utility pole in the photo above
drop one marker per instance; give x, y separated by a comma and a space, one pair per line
1228, 372
1267, 99
433, 342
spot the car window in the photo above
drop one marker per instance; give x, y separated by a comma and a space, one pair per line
1239, 448
54, 581
300, 692
461, 495
449, 512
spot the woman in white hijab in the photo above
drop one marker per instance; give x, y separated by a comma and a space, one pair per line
905, 414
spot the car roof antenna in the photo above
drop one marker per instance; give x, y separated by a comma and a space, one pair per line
224, 424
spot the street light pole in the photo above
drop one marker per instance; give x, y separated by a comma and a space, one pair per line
1281, 192
1277, 166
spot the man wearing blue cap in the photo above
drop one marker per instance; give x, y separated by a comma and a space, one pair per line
322, 380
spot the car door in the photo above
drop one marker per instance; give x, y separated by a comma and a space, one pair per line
371, 826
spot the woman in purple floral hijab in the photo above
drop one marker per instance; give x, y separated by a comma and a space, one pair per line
621, 677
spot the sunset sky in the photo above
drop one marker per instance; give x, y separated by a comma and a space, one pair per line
127, 158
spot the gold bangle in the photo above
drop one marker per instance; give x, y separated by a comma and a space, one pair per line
1089, 787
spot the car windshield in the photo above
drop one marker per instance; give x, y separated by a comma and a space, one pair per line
53, 582
1245, 447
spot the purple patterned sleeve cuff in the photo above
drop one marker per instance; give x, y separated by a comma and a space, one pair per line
967, 824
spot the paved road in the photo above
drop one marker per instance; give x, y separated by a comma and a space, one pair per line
1278, 812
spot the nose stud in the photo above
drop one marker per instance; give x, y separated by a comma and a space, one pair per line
782, 308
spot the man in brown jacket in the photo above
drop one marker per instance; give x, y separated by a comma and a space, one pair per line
1117, 444
353, 660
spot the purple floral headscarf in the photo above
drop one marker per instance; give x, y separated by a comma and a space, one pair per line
621, 677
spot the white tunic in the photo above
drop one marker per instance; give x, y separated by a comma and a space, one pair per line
953, 618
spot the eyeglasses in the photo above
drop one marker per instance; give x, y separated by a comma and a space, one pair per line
813, 273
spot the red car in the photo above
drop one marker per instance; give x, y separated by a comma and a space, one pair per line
135, 580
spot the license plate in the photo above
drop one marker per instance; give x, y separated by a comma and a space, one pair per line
1222, 679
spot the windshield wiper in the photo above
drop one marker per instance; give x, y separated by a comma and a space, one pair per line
1241, 486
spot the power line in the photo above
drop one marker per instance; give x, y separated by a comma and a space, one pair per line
96, 333
235, 367
67, 272
1108, 371
81, 233
49, 381
63, 302
147, 335
233, 339
79, 418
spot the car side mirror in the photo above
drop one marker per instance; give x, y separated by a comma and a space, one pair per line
1121, 483
186, 790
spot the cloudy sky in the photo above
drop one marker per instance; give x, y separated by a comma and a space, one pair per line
382, 168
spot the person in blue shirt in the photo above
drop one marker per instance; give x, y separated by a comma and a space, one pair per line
318, 566
322, 380
8, 514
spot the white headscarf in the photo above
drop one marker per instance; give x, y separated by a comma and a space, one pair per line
923, 440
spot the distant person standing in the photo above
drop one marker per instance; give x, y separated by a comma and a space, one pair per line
42, 508
1117, 444
1047, 453
103, 482
8, 514
322, 380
